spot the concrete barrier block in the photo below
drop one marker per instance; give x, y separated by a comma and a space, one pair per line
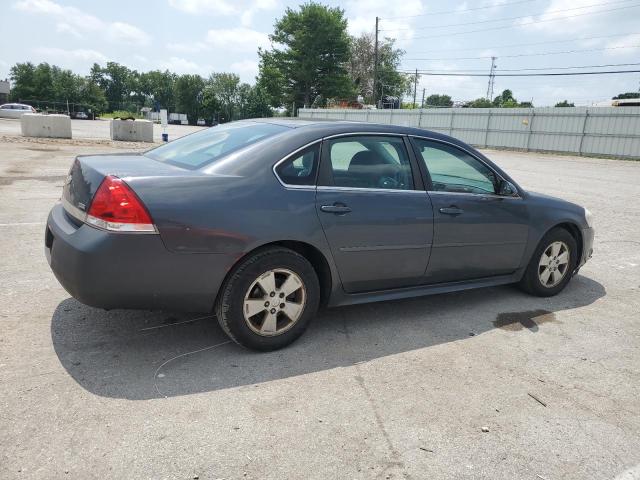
132, 130
49, 126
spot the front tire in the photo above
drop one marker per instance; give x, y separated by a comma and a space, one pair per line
551, 265
269, 299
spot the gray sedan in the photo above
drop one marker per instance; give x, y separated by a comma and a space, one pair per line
264, 221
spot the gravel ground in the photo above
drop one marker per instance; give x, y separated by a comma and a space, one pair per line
489, 383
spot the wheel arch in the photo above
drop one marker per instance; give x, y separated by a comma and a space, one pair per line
313, 255
575, 232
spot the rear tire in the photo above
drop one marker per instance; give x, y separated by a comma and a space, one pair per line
269, 299
552, 264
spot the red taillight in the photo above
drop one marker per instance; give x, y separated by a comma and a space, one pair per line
116, 207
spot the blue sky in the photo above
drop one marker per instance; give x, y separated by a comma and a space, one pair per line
204, 36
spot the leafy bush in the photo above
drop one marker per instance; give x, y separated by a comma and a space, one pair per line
121, 114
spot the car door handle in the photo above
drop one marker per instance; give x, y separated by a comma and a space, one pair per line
452, 210
337, 208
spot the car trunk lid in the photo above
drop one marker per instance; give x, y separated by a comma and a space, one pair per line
88, 172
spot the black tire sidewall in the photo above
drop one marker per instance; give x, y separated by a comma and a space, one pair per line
533, 283
231, 303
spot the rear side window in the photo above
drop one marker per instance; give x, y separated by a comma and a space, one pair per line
301, 168
204, 147
370, 162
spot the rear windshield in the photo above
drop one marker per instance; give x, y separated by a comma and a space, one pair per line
201, 148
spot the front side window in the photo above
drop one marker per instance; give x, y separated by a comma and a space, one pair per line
300, 168
370, 162
202, 148
453, 170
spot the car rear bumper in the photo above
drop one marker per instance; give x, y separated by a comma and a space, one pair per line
117, 270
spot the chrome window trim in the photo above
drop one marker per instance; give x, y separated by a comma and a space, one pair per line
488, 195
328, 188
288, 185
472, 155
350, 134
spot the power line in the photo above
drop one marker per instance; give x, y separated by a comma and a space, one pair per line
540, 68
525, 24
422, 72
505, 4
514, 45
538, 54
510, 18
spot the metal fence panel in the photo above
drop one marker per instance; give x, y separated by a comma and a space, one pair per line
602, 131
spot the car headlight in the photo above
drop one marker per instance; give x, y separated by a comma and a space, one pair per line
588, 216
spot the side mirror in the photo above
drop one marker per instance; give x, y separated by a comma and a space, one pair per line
507, 189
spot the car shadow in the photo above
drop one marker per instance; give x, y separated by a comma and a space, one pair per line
141, 354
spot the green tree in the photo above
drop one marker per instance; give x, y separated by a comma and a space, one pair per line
564, 103
439, 101
505, 99
117, 81
362, 62
256, 103
225, 89
159, 86
312, 59
622, 96
91, 95
22, 77
189, 96
480, 103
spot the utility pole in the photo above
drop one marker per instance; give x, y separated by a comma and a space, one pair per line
422, 102
415, 89
375, 66
492, 78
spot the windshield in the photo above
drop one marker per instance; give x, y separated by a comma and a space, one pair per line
201, 148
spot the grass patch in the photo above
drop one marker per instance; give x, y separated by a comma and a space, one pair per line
121, 114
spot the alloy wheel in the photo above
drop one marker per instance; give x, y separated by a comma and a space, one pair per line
553, 264
274, 302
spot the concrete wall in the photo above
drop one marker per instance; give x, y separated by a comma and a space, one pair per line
50, 126
132, 130
596, 131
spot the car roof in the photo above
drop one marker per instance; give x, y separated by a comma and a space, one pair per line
324, 128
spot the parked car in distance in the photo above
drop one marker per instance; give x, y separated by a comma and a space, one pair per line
201, 122
15, 110
81, 116
263, 221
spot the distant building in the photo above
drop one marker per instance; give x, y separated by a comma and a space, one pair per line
4, 90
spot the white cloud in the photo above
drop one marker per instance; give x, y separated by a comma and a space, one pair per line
192, 47
66, 28
578, 16
119, 32
70, 58
182, 65
72, 19
247, 69
239, 39
246, 9
627, 45
401, 22
198, 7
